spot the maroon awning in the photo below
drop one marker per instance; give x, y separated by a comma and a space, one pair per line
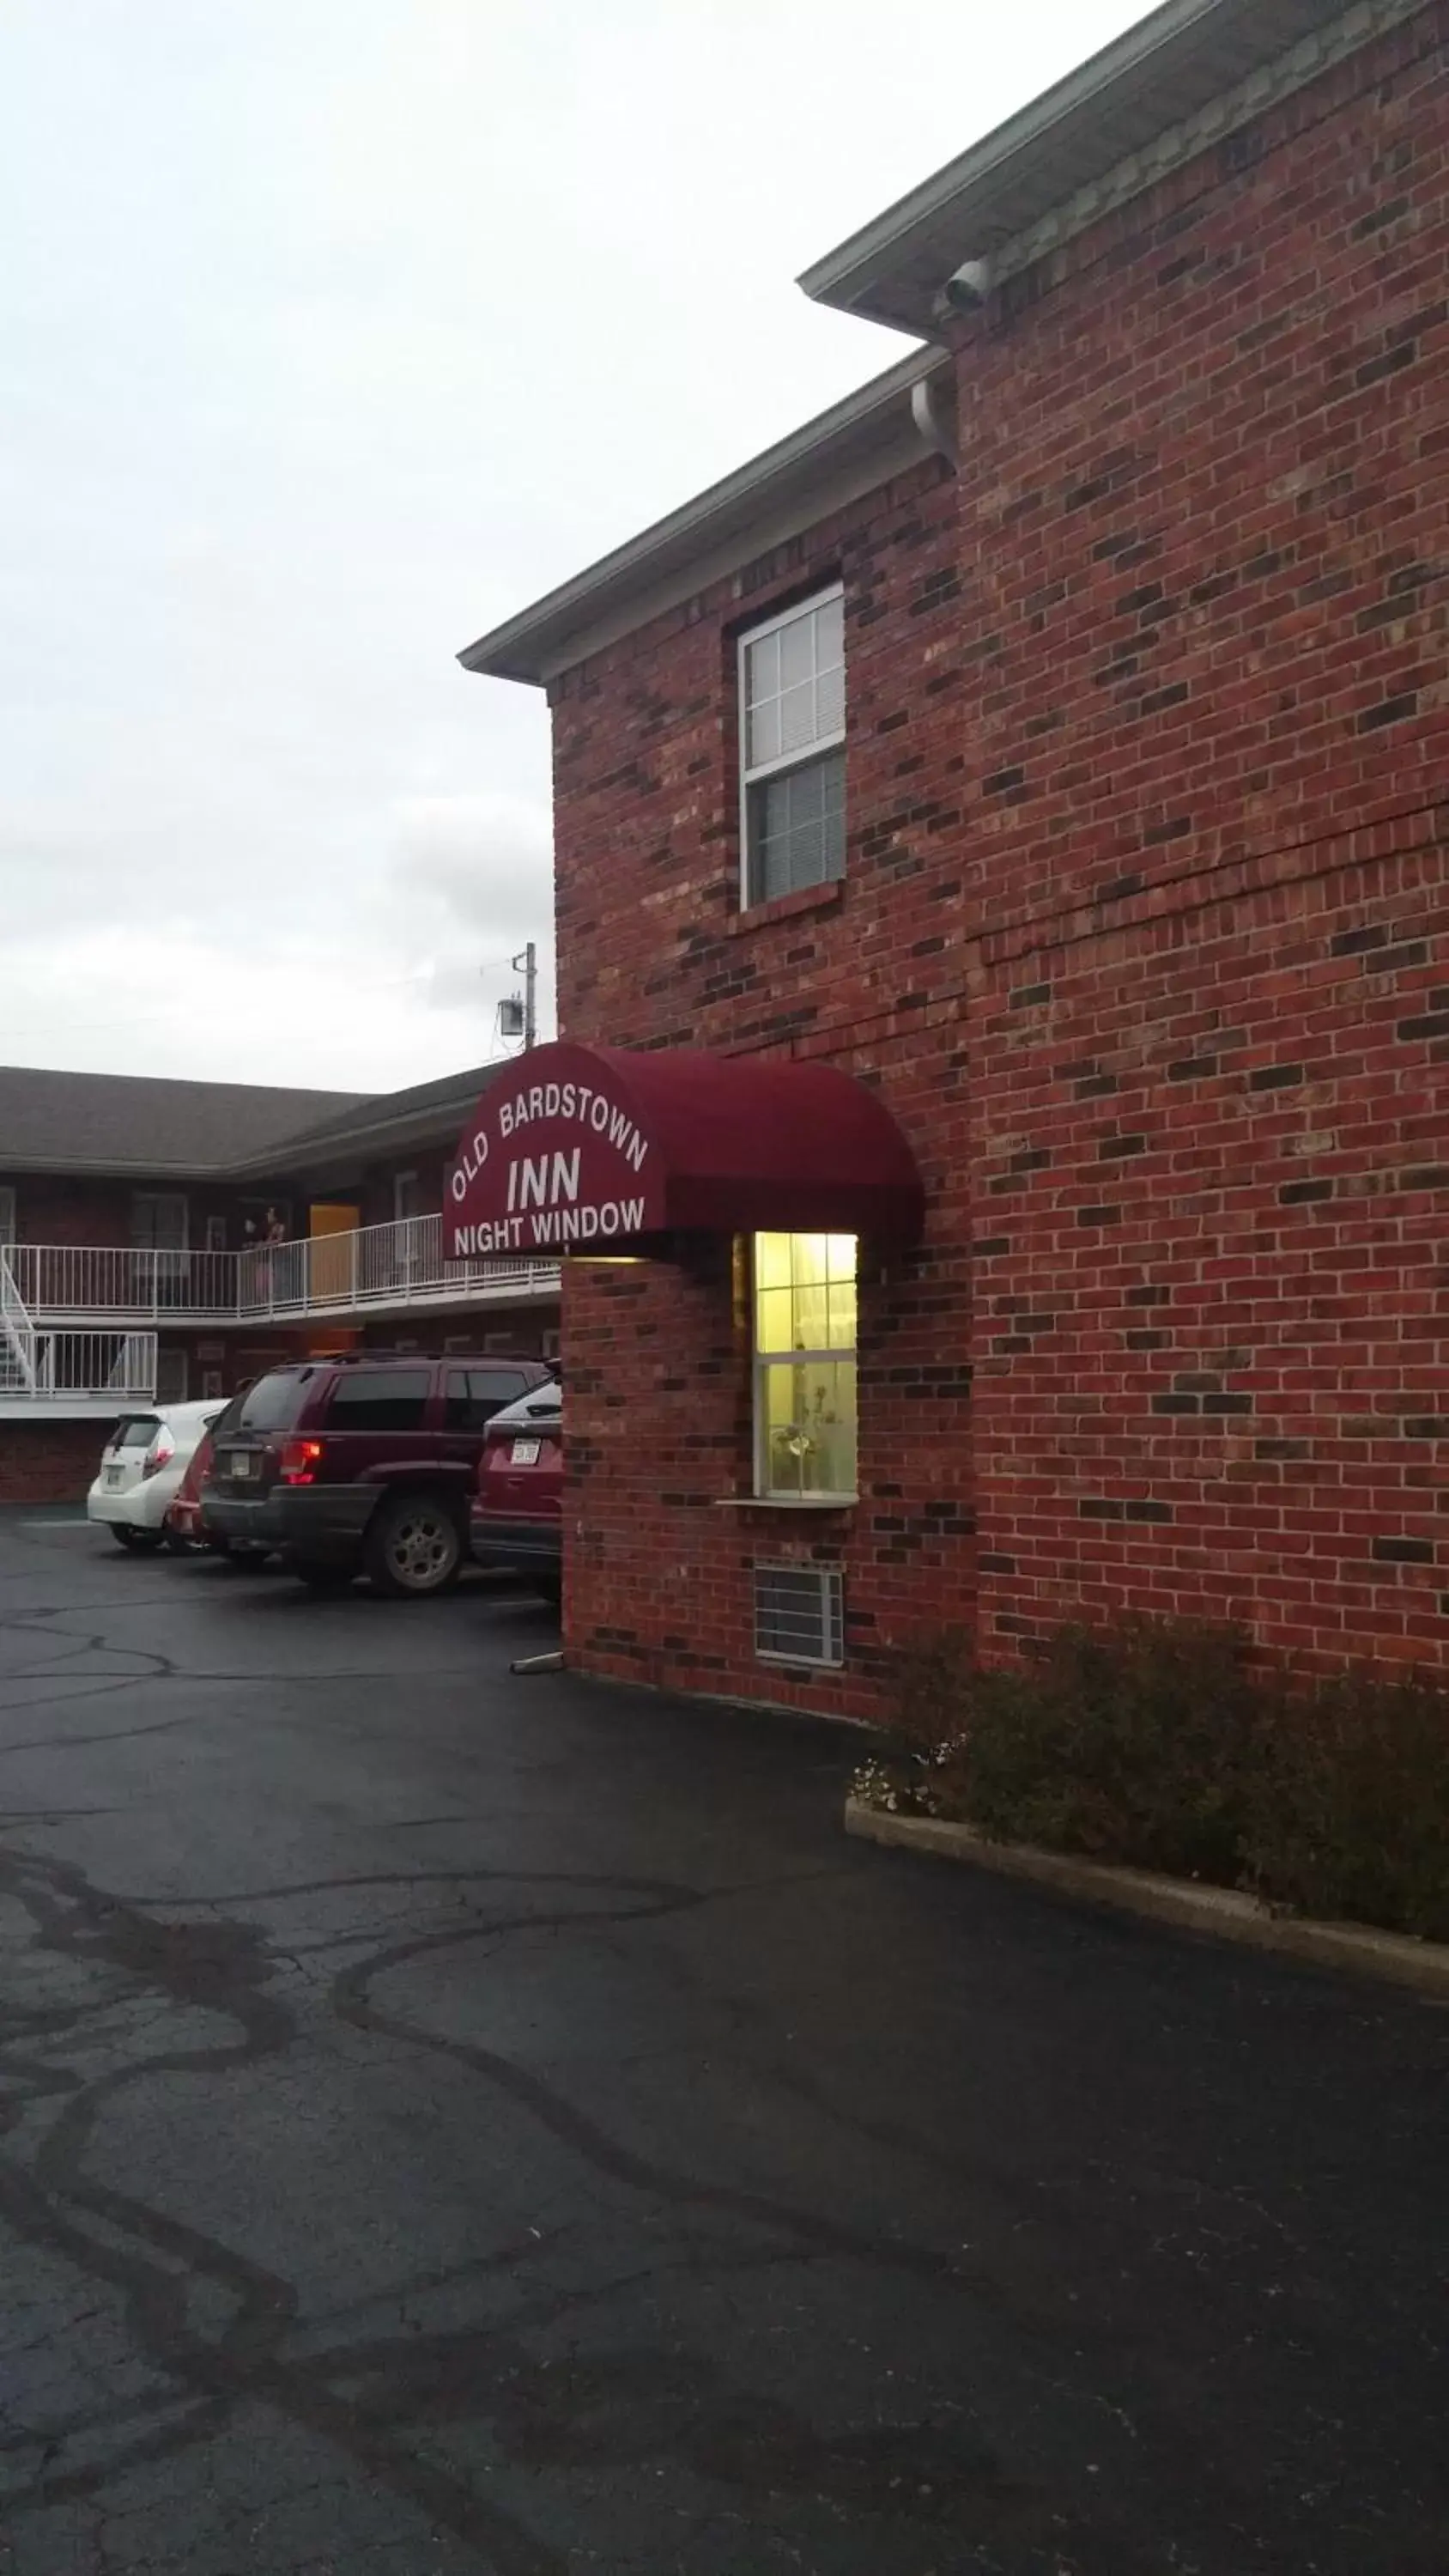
579, 1148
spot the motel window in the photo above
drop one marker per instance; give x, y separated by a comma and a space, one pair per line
792, 750
805, 1399
159, 1220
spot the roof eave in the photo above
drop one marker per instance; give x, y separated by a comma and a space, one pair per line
538, 642
1108, 110
115, 1167
420, 1127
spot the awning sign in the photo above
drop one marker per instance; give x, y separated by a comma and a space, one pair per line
584, 1149
551, 1166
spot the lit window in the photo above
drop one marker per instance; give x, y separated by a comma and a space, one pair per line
805, 1419
792, 750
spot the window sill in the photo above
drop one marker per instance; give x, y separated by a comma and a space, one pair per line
784, 907
785, 1502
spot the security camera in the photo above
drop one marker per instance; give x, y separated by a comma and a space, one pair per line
967, 289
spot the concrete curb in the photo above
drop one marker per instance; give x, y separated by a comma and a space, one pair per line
1221, 1911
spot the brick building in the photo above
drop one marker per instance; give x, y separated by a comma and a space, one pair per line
1052, 738
133, 1265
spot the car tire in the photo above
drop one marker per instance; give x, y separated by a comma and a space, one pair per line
414, 1547
136, 1542
324, 1578
176, 1544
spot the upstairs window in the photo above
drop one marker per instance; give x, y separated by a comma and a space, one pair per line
792, 749
805, 1410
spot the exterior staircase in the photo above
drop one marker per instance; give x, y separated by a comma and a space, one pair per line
17, 1336
42, 1368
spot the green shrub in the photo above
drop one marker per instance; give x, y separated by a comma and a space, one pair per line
1129, 1746
1155, 1744
1347, 1809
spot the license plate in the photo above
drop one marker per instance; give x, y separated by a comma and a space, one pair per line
525, 1453
241, 1465
115, 1476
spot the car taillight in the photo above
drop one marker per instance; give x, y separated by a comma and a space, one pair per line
159, 1455
300, 1462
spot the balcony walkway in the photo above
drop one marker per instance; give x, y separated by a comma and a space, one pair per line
79, 1322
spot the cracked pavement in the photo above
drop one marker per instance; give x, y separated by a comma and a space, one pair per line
456, 2123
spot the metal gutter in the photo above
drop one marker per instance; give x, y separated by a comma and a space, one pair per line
413, 1126
863, 438
1184, 76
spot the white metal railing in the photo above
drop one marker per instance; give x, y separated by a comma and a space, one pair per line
119, 1368
17, 1334
374, 1266
109, 1279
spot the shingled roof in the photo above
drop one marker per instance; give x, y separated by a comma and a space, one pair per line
125, 1122
383, 1120
134, 1124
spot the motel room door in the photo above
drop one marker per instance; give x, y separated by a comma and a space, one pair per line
332, 1239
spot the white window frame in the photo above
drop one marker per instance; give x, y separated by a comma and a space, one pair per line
765, 769
763, 1360
216, 1234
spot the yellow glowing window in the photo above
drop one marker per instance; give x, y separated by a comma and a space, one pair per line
805, 1396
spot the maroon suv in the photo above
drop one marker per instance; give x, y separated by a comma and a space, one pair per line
360, 1463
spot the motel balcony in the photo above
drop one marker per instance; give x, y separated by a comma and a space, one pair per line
79, 1324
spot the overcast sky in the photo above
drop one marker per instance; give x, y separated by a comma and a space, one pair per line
332, 332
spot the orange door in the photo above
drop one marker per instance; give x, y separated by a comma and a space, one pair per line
331, 1227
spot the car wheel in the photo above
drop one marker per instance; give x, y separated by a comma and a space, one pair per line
137, 1542
323, 1578
176, 1543
413, 1547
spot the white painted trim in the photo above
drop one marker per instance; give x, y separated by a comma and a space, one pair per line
789, 760
798, 608
767, 1497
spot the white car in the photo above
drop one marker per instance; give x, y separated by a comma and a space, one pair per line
141, 1467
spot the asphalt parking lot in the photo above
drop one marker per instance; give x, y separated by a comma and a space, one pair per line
459, 2123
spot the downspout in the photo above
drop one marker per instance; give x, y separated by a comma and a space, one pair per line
934, 428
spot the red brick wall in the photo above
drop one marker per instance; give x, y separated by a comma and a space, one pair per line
519, 1328
49, 1462
1206, 515
1144, 934
59, 1210
654, 949
1214, 1303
